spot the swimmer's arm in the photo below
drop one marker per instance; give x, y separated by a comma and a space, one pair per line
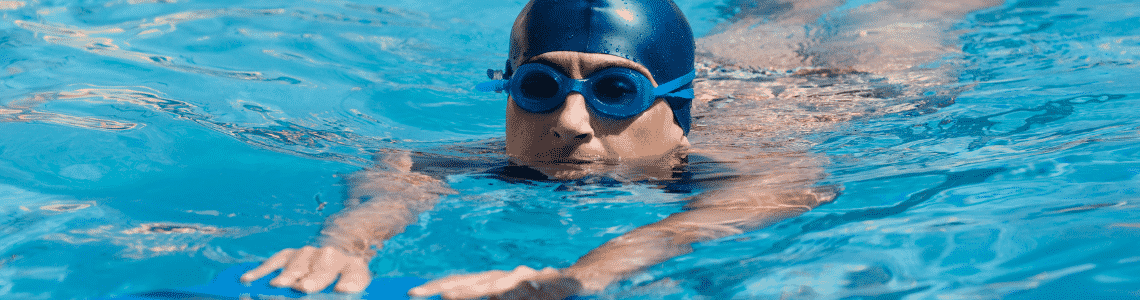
382, 201
718, 214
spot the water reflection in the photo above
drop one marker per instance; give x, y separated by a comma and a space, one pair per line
133, 41
780, 80
9, 5
83, 40
282, 135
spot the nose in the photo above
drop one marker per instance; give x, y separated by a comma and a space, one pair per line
573, 121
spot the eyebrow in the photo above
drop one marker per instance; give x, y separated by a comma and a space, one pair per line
556, 66
596, 67
620, 64
608, 64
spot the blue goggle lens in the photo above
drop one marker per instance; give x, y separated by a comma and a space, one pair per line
538, 85
615, 89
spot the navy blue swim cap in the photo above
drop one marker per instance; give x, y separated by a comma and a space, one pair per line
653, 33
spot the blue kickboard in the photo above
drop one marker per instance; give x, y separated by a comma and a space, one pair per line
227, 286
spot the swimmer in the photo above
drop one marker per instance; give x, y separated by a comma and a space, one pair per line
593, 87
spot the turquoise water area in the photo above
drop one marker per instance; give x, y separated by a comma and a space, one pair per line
152, 144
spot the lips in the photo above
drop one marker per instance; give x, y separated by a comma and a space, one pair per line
555, 157
570, 160
559, 157
575, 155
552, 153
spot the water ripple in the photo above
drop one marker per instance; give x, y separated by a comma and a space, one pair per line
11, 5
83, 39
282, 135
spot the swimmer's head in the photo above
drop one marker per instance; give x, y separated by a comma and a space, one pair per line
652, 33
636, 57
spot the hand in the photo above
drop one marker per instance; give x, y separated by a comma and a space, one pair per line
521, 283
311, 269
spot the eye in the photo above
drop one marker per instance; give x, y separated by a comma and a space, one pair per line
615, 89
539, 85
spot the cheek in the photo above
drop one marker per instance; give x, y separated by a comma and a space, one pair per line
651, 133
516, 119
521, 129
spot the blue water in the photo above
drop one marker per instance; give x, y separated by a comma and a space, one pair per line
146, 144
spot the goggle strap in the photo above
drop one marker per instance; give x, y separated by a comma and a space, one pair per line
681, 111
685, 93
673, 85
493, 86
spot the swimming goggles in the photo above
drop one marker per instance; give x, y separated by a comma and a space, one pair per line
616, 93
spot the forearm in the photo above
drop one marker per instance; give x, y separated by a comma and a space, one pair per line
382, 202
366, 226
710, 219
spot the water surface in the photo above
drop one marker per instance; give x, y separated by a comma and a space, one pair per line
151, 144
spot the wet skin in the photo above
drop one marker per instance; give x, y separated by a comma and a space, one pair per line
566, 143
559, 142
569, 142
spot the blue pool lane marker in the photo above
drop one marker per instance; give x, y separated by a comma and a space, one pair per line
227, 286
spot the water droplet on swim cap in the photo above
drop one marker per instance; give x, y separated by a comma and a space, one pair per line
653, 33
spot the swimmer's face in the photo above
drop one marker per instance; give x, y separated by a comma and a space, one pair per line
573, 135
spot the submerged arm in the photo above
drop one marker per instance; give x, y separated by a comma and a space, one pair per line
784, 189
783, 186
382, 201
721, 214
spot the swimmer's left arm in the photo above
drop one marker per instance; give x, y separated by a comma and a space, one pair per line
721, 214
717, 214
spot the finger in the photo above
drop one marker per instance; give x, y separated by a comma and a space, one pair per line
298, 266
559, 288
324, 266
548, 289
523, 290
518, 285
434, 287
268, 266
511, 280
548, 271
482, 284
451, 283
355, 277
523, 271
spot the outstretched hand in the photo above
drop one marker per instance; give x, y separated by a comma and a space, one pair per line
521, 283
311, 269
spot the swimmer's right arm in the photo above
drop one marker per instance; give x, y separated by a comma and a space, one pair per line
382, 201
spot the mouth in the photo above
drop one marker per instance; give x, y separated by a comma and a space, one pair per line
568, 156
571, 161
568, 168
576, 157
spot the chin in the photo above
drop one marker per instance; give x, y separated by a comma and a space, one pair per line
564, 168
643, 169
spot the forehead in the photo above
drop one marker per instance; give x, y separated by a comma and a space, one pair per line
579, 64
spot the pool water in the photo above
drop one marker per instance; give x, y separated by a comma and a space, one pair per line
152, 144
